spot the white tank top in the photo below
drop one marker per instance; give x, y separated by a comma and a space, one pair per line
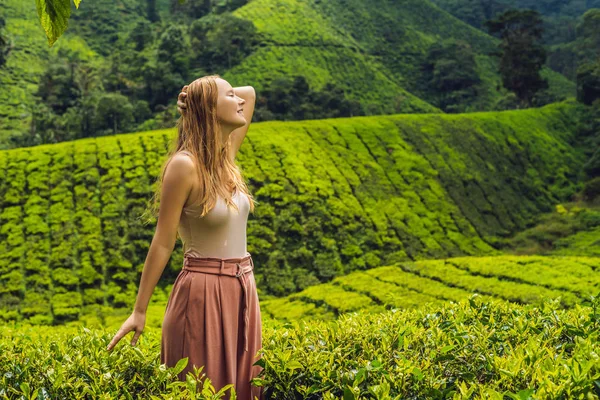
221, 233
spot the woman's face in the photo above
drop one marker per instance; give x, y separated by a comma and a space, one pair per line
229, 106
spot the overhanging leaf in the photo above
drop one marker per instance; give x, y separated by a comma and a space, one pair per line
54, 16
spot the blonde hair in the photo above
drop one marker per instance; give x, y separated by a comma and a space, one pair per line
198, 132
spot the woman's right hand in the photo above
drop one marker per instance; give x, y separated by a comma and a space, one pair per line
181, 106
135, 322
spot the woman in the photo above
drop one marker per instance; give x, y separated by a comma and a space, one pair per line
212, 315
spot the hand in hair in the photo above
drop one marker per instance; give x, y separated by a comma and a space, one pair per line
181, 100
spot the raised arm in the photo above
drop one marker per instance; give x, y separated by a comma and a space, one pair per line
237, 136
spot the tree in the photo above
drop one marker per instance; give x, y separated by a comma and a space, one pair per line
588, 82
165, 74
151, 12
588, 36
5, 43
174, 50
521, 54
114, 112
192, 9
292, 99
222, 41
450, 71
57, 87
141, 35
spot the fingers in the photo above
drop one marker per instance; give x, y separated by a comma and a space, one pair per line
135, 337
113, 342
116, 339
181, 106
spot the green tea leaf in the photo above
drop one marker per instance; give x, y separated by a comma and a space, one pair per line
181, 364
446, 349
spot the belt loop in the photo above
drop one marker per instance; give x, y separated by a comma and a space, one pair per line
222, 265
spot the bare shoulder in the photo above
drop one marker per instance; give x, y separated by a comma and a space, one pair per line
180, 167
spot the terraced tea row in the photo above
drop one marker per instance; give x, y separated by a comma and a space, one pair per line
334, 196
406, 285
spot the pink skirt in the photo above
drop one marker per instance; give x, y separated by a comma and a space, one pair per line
213, 318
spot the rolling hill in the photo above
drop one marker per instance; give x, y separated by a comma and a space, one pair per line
392, 36
336, 196
373, 53
409, 285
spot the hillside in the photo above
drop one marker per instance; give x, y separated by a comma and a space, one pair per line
21, 73
560, 17
95, 25
410, 285
336, 195
394, 35
563, 34
375, 59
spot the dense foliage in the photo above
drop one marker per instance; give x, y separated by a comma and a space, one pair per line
521, 54
570, 230
410, 285
335, 195
123, 63
560, 17
474, 347
450, 71
5, 44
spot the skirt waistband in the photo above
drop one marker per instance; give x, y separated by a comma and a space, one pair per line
220, 266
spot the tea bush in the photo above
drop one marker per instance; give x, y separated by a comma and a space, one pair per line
467, 349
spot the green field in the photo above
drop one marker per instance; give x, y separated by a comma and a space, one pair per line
405, 254
470, 349
409, 285
336, 196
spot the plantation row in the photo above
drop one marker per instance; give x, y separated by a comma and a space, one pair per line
335, 196
583, 242
470, 349
409, 285
72, 244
